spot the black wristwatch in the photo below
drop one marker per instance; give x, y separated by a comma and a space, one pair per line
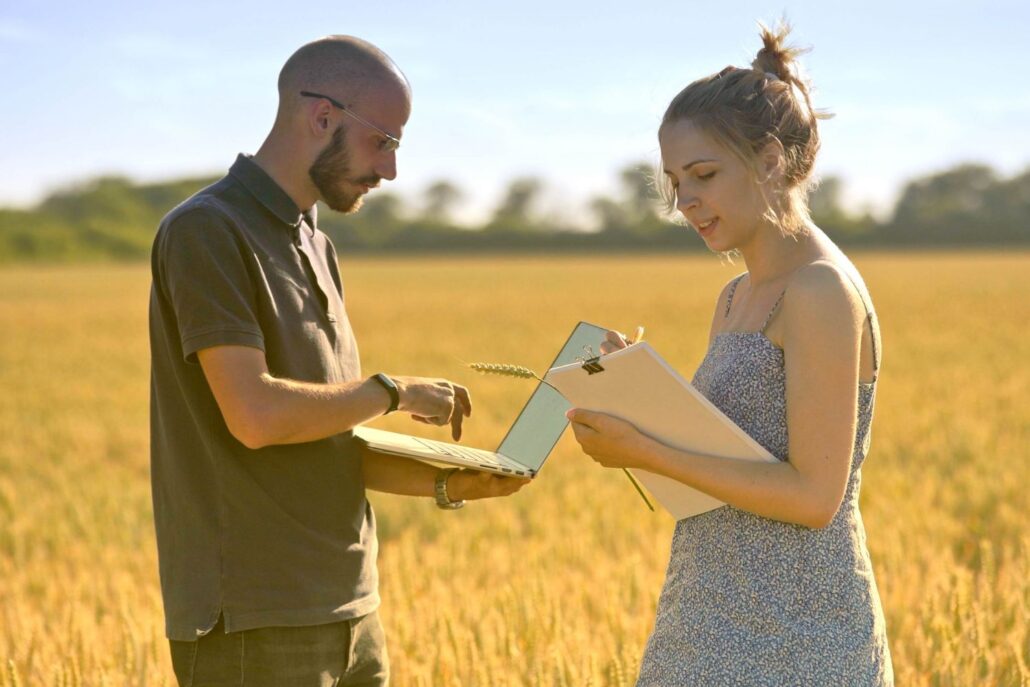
391, 388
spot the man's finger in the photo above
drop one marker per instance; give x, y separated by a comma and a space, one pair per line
457, 415
462, 396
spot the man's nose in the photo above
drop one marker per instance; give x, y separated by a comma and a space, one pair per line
387, 167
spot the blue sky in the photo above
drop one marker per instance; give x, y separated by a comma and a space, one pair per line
567, 91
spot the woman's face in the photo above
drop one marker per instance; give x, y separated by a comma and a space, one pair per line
715, 191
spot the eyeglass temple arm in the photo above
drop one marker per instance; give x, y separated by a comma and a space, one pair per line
309, 94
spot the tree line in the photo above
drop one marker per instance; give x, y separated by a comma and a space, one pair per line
115, 218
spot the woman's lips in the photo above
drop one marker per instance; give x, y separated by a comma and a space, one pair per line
705, 229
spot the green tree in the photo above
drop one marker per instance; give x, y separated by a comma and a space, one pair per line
829, 214
440, 198
516, 212
638, 208
377, 224
611, 215
951, 206
1011, 203
642, 200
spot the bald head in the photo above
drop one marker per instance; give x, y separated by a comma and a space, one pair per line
345, 66
339, 144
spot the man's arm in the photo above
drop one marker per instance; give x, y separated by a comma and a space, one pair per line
262, 410
409, 477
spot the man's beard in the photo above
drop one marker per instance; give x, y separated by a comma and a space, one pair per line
330, 174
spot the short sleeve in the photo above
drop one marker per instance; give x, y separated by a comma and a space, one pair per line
203, 268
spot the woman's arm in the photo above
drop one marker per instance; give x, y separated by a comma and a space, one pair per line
822, 324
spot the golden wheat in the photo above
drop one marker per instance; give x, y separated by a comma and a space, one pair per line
557, 585
504, 370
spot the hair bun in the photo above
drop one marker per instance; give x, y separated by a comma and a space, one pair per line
746, 109
776, 57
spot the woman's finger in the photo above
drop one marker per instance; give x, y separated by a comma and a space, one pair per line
583, 417
616, 339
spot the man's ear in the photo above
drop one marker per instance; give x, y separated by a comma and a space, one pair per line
771, 162
318, 117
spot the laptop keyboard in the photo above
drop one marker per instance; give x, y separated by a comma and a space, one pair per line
474, 455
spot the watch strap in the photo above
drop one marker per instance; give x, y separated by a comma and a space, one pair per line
442, 500
391, 388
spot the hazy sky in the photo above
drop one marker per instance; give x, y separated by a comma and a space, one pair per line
568, 91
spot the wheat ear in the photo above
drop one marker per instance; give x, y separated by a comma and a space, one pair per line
504, 370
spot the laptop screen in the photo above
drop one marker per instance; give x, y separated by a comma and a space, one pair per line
542, 420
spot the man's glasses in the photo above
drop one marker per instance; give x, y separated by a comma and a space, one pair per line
390, 144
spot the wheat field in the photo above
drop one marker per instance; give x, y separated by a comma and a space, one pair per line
945, 495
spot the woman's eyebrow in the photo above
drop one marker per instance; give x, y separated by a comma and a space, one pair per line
687, 166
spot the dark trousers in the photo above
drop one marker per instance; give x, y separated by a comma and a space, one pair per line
351, 653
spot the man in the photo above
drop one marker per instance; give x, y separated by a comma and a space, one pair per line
267, 545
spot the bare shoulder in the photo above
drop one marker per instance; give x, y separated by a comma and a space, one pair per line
727, 290
721, 303
821, 296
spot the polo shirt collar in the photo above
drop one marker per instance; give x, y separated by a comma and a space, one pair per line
269, 193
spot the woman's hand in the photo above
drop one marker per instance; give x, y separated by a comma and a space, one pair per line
613, 341
611, 442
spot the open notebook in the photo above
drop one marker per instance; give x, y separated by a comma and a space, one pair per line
637, 385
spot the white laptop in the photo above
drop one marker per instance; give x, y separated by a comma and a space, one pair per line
529, 440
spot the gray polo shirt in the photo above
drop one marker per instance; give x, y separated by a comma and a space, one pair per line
283, 535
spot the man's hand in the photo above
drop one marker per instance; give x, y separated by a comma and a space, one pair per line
469, 485
434, 401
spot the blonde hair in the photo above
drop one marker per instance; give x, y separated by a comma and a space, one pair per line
746, 109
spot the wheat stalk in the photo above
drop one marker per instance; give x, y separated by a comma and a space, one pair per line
504, 370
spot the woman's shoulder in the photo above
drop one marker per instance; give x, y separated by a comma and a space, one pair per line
722, 304
836, 268
728, 290
824, 272
833, 274
824, 291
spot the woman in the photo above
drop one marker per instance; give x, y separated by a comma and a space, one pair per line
776, 588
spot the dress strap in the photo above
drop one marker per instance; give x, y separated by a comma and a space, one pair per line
869, 313
772, 312
729, 296
874, 325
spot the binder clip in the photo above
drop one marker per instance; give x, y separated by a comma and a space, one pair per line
591, 363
